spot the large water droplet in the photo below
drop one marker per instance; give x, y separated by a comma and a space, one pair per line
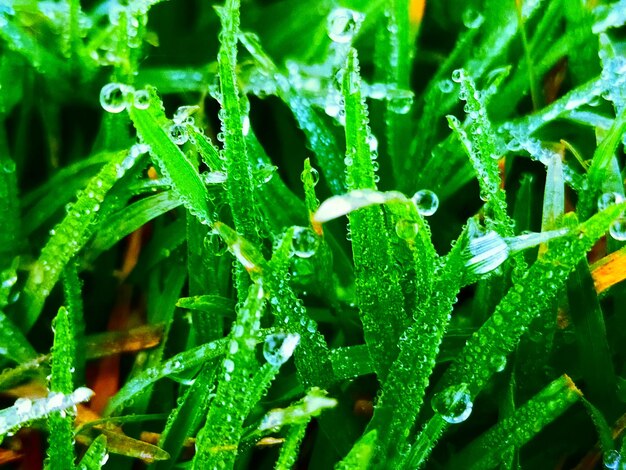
305, 242
178, 134
472, 19
400, 101
141, 99
458, 75
612, 459
315, 175
426, 202
454, 403
278, 348
114, 97
618, 229
486, 249
609, 199
343, 24
406, 229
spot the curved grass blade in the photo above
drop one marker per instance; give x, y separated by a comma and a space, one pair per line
320, 138
70, 235
482, 152
186, 182
176, 364
485, 351
291, 446
96, 456
132, 217
486, 451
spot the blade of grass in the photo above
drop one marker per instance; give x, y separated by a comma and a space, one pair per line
73, 232
486, 451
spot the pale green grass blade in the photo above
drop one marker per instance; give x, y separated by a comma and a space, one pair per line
72, 289
361, 455
70, 235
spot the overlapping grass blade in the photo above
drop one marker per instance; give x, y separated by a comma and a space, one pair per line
486, 451
70, 236
380, 300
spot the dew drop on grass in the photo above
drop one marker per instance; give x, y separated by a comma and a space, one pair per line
343, 24
498, 363
141, 99
406, 229
178, 134
612, 459
472, 19
446, 86
315, 175
609, 199
305, 242
400, 101
426, 202
458, 75
618, 229
486, 250
278, 348
114, 97
229, 365
454, 403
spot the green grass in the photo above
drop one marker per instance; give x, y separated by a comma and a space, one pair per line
305, 234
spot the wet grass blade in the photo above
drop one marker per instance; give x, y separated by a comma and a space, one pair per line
73, 232
486, 451
380, 300
60, 425
96, 455
151, 125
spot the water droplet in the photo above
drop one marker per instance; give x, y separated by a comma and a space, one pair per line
486, 249
278, 348
343, 24
426, 202
178, 134
472, 19
305, 242
183, 114
245, 125
229, 365
446, 86
498, 363
611, 459
458, 75
114, 97
8, 166
618, 229
315, 175
400, 101
141, 99
609, 199
233, 347
454, 403
406, 229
